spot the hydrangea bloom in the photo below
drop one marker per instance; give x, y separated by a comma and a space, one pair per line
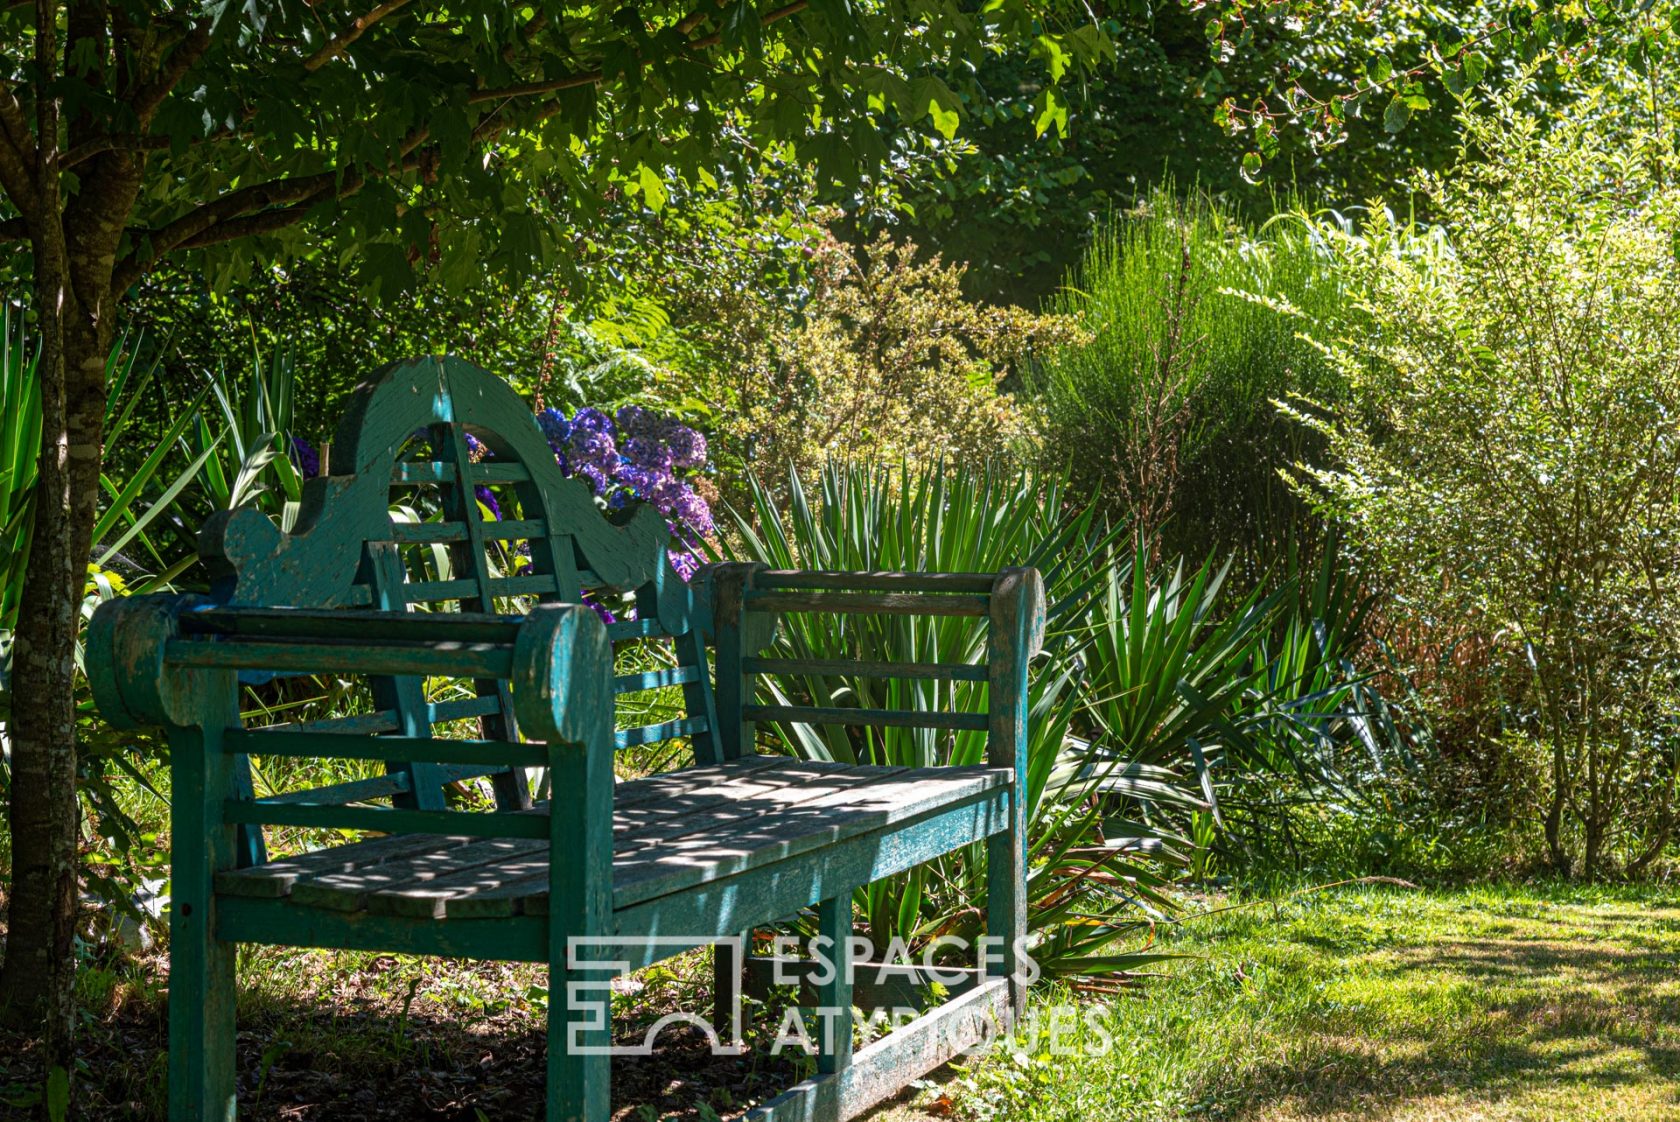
636, 455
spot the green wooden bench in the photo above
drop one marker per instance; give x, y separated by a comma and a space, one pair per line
640, 868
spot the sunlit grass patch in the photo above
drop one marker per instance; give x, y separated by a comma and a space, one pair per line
1494, 1003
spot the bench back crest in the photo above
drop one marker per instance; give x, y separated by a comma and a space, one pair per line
440, 433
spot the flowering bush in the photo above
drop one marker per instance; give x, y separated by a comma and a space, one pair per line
635, 455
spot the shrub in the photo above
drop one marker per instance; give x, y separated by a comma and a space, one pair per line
1512, 445
887, 362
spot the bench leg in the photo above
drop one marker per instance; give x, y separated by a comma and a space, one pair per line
201, 967
726, 985
1006, 910
834, 997
579, 1085
201, 1020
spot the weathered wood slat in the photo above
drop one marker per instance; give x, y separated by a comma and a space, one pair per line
462, 708
313, 624
635, 629
858, 668
408, 533
653, 734
867, 603
379, 820
879, 581
779, 886
881, 1069
276, 878
350, 791
463, 880
359, 724
763, 839
511, 529
885, 718
349, 890
478, 889
412, 472
465, 660
432, 591
655, 679
389, 749
531, 584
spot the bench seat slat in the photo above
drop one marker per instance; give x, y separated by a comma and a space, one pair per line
692, 827
647, 812
496, 886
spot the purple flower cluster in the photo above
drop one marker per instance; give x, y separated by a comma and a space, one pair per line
636, 455
633, 455
305, 458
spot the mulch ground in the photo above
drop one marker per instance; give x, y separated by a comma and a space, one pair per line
386, 1038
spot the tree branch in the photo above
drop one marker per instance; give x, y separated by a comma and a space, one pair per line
17, 154
259, 208
14, 229
187, 52
340, 42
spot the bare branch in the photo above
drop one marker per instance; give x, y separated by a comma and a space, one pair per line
338, 43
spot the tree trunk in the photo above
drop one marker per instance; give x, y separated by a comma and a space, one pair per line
39, 970
74, 249
1554, 816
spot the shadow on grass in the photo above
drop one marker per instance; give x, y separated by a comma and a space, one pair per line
1558, 1012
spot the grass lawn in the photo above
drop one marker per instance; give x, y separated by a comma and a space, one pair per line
1497, 1003
1492, 1003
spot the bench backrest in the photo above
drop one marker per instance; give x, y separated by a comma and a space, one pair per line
441, 434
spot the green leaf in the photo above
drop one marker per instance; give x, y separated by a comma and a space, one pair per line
1474, 66
1051, 111
1398, 113
941, 104
652, 187
58, 1094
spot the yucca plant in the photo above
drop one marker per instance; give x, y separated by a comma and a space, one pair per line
1082, 890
